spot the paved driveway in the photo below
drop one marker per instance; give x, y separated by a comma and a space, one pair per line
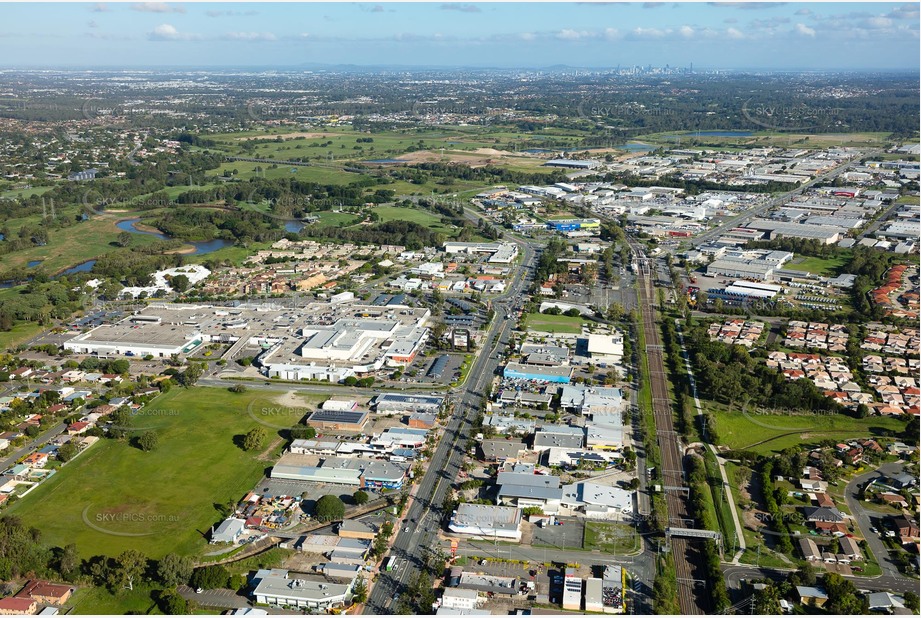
219, 597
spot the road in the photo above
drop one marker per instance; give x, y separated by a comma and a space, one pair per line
419, 535
862, 516
751, 213
735, 574
41, 439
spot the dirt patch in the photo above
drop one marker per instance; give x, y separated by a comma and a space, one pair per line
474, 158
290, 399
288, 136
266, 455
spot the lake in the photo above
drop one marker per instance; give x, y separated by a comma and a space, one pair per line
201, 246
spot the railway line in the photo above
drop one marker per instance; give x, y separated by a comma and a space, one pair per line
692, 599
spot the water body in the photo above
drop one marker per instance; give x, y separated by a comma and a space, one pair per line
201, 246
385, 161
711, 134
33, 263
293, 226
634, 147
85, 267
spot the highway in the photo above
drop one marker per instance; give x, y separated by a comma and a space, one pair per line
418, 535
691, 599
735, 574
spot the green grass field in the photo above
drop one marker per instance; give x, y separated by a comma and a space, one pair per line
74, 245
19, 333
770, 433
18, 193
554, 323
610, 538
820, 266
328, 217
115, 497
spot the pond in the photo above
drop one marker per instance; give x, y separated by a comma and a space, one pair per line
201, 246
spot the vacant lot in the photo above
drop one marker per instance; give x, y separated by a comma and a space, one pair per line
820, 266
554, 323
768, 433
610, 538
116, 497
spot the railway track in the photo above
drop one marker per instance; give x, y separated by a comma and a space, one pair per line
691, 598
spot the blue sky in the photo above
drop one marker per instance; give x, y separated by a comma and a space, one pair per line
716, 34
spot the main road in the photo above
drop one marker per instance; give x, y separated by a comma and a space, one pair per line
418, 535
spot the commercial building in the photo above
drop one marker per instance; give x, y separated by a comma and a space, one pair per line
392, 402
591, 400
524, 489
459, 598
573, 164
229, 531
605, 348
274, 587
338, 420
486, 520
570, 225
559, 436
561, 375
572, 591
342, 471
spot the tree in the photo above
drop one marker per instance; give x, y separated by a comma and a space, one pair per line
67, 452
767, 602
174, 570
148, 441
180, 283
129, 567
911, 601
210, 577
254, 439
360, 591
360, 497
69, 563
171, 603
329, 508
124, 239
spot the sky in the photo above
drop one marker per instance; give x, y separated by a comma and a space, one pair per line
724, 35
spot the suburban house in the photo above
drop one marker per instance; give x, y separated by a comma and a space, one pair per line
823, 513
810, 595
809, 550
45, 592
906, 528
15, 606
228, 531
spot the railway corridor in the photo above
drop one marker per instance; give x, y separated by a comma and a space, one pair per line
692, 598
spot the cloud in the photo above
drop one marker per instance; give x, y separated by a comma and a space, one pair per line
804, 30
652, 5
100, 7
748, 6
157, 7
216, 13
92, 24
686, 31
804, 12
730, 20
168, 32
463, 8
101, 36
527, 36
647, 33
905, 11
733, 33
568, 34
250, 36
